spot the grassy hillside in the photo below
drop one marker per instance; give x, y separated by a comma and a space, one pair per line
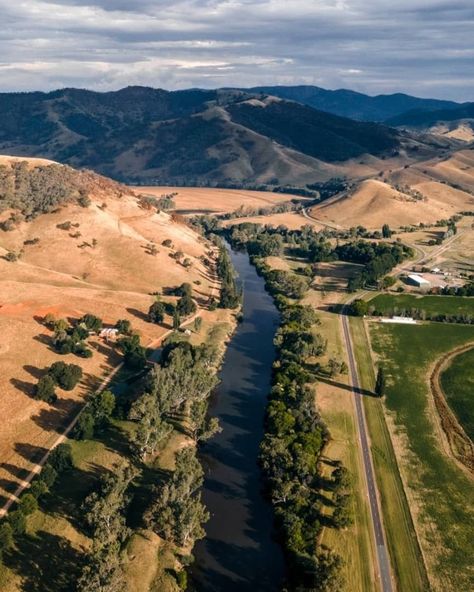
104, 257
191, 137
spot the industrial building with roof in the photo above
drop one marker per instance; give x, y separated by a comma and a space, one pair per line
418, 281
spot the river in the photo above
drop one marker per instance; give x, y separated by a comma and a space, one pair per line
239, 553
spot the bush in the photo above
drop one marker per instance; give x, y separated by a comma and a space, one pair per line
28, 504
38, 488
6, 537
17, 522
48, 474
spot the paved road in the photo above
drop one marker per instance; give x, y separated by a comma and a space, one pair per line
383, 561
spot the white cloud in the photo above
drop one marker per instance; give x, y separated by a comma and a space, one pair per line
417, 46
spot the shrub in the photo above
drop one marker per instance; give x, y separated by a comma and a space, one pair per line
28, 504
6, 537
17, 522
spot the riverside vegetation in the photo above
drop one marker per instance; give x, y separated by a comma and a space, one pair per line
132, 494
295, 435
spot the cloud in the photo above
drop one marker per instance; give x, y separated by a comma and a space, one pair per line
419, 46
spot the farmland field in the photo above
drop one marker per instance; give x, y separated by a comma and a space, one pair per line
448, 305
407, 562
457, 382
441, 496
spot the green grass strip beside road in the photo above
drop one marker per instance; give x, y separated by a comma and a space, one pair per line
405, 554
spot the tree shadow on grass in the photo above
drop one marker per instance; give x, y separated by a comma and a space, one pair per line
68, 494
34, 371
346, 387
30, 452
27, 388
46, 563
139, 314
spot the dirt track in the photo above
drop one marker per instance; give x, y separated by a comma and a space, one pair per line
458, 443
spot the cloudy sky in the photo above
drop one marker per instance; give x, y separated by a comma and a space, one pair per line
424, 47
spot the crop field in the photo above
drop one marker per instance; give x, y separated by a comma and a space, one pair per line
441, 495
457, 382
449, 305
405, 555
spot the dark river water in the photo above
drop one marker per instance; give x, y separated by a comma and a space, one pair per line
239, 553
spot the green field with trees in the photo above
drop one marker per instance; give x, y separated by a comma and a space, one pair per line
406, 304
457, 382
445, 494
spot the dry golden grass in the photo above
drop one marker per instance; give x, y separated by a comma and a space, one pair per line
202, 200
113, 280
291, 220
33, 162
375, 203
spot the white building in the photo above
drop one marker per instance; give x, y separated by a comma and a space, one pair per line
109, 334
418, 280
400, 320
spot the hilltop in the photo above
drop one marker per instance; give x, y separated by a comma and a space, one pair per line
197, 137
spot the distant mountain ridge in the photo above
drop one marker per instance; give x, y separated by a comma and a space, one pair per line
224, 136
354, 105
421, 118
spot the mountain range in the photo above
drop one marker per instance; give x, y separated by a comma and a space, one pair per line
355, 105
225, 136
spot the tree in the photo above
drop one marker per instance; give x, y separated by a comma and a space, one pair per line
6, 537
176, 319
60, 458
104, 509
359, 308
91, 322
49, 320
380, 382
17, 521
386, 232
102, 573
102, 406
65, 375
186, 305
45, 389
123, 326
156, 312
152, 429
197, 324
388, 281
28, 504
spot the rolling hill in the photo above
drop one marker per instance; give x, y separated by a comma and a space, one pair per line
69, 260
457, 123
424, 192
145, 135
